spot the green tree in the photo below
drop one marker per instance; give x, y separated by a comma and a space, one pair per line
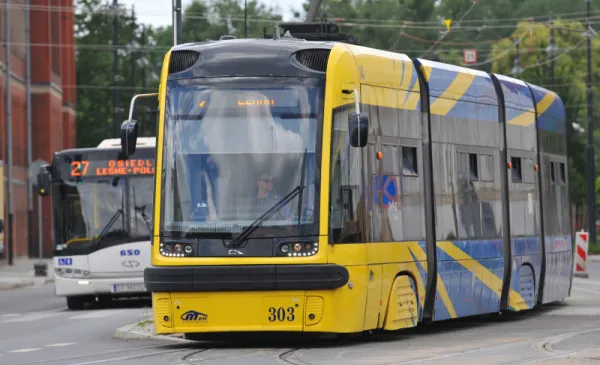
94, 68
202, 21
570, 75
383, 24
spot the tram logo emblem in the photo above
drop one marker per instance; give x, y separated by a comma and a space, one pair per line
193, 316
235, 253
130, 264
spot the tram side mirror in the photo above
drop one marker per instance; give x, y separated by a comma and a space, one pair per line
358, 128
44, 182
129, 131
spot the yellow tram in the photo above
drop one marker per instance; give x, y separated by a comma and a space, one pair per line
322, 186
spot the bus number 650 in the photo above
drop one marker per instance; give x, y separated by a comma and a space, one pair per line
281, 314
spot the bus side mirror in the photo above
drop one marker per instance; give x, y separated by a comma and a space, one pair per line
44, 182
129, 131
358, 129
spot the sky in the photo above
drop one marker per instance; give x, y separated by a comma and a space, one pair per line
158, 12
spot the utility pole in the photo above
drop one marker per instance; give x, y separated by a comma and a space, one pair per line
143, 74
116, 68
9, 136
245, 18
176, 22
590, 129
29, 136
551, 50
133, 49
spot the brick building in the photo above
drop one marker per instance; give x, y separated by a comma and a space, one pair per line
52, 105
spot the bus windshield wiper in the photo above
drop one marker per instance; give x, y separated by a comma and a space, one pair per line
142, 211
108, 225
268, 214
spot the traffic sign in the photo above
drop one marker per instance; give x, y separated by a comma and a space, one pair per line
388, 186
470, 55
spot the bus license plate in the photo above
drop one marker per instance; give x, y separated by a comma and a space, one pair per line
125, 288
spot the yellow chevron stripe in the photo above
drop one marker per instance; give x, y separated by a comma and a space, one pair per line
445, 102
545, 103
412, 101
418, 252
483, 274
421, 256
441, 288
526, 119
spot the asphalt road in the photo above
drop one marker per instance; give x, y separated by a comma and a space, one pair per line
36, 328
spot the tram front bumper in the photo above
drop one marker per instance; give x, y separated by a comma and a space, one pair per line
256, 298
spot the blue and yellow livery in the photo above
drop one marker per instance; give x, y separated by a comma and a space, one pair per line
328, 187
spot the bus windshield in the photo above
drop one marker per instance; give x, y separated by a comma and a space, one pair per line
233, 149
101, 209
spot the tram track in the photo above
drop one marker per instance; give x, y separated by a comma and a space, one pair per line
120, 355
286, 357
543, 345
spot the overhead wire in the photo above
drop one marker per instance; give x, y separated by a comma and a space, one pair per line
473, 4
405, 24
361, 22
501, 55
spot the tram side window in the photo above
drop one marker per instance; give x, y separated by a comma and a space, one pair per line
473, 167
409, 161
469, 205
517, 175
562, 179
528, 172
487, 168
347, 189
557, 199
387, 205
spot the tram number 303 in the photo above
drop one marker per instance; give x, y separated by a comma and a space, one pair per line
281, 314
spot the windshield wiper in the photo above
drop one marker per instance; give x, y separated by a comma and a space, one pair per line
302, 185
108, 225
268, 214
142, 211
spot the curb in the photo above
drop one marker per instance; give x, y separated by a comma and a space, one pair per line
25, 283
130, 332
16, 285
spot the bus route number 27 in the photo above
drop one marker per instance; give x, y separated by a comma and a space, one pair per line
281, 314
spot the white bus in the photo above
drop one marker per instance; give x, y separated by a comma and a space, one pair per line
102, 220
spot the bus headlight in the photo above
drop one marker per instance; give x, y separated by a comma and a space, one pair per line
176, 249
298, 249
71, 273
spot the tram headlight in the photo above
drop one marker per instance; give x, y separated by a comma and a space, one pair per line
177, 249
298, 249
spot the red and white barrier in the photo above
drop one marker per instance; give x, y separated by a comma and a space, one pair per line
581, 254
